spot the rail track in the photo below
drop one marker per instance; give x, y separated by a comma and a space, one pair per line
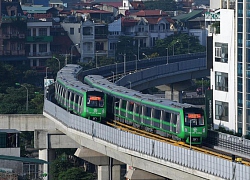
202, 149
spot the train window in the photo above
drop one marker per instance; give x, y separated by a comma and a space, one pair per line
72, 96
124, 103
166, 116
147, 112
156, 114
101, 103
130, 106
136, 108
174, 118
95, 101
77, 98
194, 119
68, 94
117, 104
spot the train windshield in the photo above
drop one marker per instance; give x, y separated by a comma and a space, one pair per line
95, 101
194, 118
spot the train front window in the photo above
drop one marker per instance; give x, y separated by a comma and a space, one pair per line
95, 101
194, 119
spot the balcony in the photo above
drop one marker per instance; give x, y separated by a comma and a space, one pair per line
39, 38
13, 53
21, 36
144, 34
100, 36
13, 19
39, 54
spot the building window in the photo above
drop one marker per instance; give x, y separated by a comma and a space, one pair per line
221, 81
221, 52
221, 111
71, 31
42, 31
86, 31
42, 47
28, 32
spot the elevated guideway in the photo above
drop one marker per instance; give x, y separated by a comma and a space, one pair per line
146, 154
149, 155
152, 156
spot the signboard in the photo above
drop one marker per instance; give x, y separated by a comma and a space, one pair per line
48, 82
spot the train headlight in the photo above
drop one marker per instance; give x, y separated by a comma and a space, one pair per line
186, 130
204, 130
103, 111
87, 110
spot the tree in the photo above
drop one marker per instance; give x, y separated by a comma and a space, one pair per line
165, 5
59, 165
179, 44
75, 173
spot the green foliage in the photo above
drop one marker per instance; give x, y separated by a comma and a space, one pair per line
165, 5
13, 98
178, 44
75, 173
59, 165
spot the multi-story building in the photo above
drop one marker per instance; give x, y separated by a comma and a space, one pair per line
12, 32
39, 23
230, 78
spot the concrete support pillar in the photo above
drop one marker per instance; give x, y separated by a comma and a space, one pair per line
174, 91
47, 155
108, 168
104, 174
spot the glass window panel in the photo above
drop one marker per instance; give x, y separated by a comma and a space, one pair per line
240, 39
239, 114
239, 68
248, 86
239, 54
221, 111
240, 24
221, 81
239, 99
240, 84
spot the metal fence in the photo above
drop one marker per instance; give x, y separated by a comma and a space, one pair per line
198, 161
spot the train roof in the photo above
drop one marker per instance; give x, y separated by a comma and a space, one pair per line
68, 77
130, 94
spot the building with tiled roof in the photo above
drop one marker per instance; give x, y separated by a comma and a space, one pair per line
149, 13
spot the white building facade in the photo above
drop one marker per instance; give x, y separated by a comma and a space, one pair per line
230, 76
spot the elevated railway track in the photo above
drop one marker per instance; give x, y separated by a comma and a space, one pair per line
202, 149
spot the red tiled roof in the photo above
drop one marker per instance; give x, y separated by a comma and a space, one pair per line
153, 20
137, 4
91, 11
144, 13
114, 4
129, 22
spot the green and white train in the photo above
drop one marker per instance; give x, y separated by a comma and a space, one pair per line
77, 97
179, 121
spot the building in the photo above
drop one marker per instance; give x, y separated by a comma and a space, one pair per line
13, 26
230, 78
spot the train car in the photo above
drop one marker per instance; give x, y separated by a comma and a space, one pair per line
179, 121
77, 97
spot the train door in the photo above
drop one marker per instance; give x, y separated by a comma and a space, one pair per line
166, 117
178, 124
136, 112
71, 98
64, 94
80, 107
129, 111
156, 115
173, 122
